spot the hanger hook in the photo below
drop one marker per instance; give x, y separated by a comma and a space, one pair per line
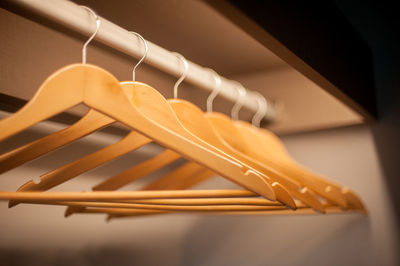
261, 111
98, 22
216, 90
144, 55
186, 64
240, 101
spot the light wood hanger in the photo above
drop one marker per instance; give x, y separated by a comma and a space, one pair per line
166, 207
89, 123
123, 213
124, 195
310, 179
164, 182
144, 110
142, 200
100, 90
136, 105
268, 138
132, 141
193, 120
275, 151
151, 202
199, 128
128, 213
223, 124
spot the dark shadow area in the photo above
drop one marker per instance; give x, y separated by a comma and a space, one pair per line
375, 21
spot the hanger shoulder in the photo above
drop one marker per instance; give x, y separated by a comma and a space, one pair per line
66, 82
192, 118
226, 130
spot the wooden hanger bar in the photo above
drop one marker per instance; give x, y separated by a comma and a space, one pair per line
145, 207
76, 18
123, 195
164, 207
126, 213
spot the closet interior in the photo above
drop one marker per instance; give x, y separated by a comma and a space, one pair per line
177, 107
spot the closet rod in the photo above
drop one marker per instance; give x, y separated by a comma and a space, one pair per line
79, 19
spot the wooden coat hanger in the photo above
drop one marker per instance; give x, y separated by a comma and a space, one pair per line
248, 145
89, 123
167, 183
193, 119
93, 86
275, 151
152, 202
201, 131
100, 90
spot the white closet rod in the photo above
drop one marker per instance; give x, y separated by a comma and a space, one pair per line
77, 18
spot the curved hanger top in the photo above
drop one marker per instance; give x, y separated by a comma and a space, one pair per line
98, 22
240, 101
146, 49
216, 90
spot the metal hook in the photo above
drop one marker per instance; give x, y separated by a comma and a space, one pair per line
261, 111
183, 74
144, 55
239, 103
216, 90
98, 22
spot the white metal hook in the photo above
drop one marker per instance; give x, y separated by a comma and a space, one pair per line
216, 90
98, 22
144, 55
261, 111
186, 64
240, 101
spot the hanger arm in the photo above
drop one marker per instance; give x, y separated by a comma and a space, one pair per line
132, 141
90, 122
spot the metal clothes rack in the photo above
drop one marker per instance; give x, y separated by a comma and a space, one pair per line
77, 18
